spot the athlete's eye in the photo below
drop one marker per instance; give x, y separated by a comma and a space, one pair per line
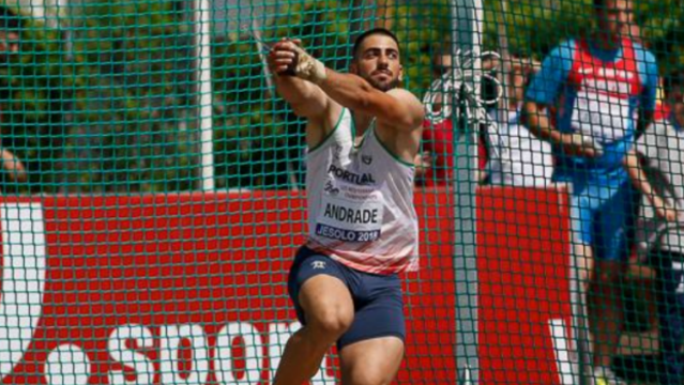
371, 53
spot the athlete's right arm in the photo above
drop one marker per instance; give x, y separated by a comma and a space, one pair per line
306, 99
544, 91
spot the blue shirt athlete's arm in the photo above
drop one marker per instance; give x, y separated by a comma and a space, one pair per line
546, 84
648, 70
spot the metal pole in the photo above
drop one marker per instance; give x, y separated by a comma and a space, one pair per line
256, 33
65, 24
504, 51
202, 21
467, 18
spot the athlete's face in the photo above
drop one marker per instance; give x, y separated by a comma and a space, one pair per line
614, 17
378, 62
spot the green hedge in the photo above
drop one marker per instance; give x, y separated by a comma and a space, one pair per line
119, 115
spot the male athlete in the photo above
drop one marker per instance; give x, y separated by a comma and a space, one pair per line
595, 88
363, 133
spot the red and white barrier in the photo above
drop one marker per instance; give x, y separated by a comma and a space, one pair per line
190, 289
524, 277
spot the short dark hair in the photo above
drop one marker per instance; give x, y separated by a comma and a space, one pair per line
10, 20
673, 80
375, 31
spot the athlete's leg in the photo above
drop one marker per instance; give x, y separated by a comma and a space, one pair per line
371, 362
613, 225
326, 306
372, 349
584, 262
582, 219
605, 309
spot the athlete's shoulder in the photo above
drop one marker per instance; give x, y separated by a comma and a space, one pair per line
403, 95
647, 67
561, 56
410, 104
643, 54
565, 49
569, 44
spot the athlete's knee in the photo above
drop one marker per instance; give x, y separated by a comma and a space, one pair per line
584, 262
331, 323
609, 273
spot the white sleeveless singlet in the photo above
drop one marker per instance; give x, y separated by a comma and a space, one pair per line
360, 202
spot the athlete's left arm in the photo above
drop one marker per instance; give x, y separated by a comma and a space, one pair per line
632, 162
396, 108
647, 102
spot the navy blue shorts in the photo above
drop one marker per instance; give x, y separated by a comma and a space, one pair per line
378, 299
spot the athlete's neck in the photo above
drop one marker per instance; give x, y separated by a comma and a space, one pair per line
606, 41
361, 122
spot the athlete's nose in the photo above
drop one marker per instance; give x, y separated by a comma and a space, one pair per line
383, 61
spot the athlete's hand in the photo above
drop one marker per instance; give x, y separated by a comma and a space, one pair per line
287, 57
581, 145
281, 58
665, 211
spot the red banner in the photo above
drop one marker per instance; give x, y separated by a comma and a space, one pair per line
523, 262
186, 289
190, 289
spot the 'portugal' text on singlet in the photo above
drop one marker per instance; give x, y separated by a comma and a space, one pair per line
360, 202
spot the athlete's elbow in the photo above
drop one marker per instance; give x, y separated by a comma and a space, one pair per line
528, 113
407, 123
301, 110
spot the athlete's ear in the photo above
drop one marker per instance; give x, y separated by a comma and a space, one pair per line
401, 73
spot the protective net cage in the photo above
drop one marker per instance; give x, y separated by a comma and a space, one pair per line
154, 190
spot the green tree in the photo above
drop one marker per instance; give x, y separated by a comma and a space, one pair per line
534, 29
258, 140
118, 115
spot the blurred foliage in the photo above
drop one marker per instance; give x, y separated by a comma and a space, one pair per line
119, 113
112, 115
259, 142
535, 27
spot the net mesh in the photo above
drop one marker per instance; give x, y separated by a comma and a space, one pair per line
154, 189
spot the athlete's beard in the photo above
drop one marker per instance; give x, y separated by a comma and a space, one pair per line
384, 87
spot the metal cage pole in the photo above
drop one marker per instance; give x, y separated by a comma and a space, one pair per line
466, 34
205, 110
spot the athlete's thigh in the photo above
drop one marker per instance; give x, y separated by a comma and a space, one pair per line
582, 209
372, 348
318, 289
379, 309
614, 226
371, 362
